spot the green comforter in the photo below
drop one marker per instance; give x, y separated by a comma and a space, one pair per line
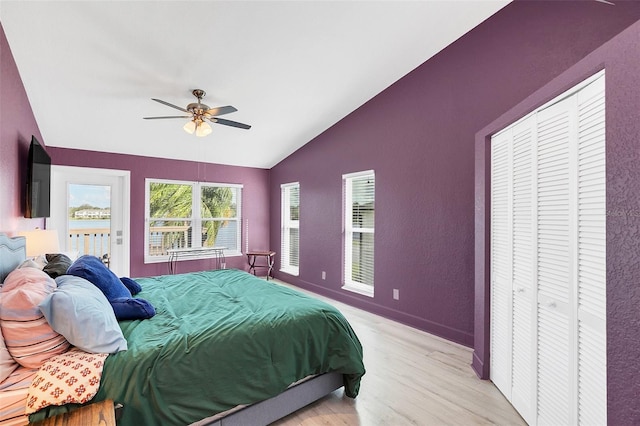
223, 338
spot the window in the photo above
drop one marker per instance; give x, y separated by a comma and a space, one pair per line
359, 219
290, 230
190, 215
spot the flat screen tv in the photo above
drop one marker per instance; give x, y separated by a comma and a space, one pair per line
38, 181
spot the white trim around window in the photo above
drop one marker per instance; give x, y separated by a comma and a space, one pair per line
359, 231
290, 228
189, 220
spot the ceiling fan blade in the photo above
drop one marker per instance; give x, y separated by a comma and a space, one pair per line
221, 110
230, 123
168, 104
169, 116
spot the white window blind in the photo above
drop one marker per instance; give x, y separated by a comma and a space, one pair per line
359, 226
290, 229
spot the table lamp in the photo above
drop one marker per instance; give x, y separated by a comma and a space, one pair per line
41, 241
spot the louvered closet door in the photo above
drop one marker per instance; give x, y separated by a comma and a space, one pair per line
513, 362
501, 264
548, 269
523, 379
591, 303
556, 132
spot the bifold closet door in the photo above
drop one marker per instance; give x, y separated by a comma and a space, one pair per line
591, 306
523, 375
556, 132
513, 285
548, 274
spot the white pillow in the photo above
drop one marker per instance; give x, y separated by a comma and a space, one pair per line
80, 312
30, 263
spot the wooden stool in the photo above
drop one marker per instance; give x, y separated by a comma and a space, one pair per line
269, 256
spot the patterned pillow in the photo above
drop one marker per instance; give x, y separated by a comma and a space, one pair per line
29, 338
69, 378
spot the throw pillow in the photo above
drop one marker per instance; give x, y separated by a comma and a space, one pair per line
57, 264
70, 378
132, 285
27, 335
80, 312
7, 363
93, 270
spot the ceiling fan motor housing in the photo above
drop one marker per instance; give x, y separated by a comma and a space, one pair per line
197, 108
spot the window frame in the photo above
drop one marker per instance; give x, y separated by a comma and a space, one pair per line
286, 224
348, 231
195, 218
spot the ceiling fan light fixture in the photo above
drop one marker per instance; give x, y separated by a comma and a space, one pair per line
203, 129
199, 113
190, 127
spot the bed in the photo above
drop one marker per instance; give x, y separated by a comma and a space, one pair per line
224, 348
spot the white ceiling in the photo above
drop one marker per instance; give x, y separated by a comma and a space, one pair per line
291, 68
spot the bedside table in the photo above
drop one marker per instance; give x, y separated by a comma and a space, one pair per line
267, 254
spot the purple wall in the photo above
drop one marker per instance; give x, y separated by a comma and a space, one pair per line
621, 60
17, 124
418, 136
255, 200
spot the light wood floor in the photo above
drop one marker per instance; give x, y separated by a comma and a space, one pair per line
412, 378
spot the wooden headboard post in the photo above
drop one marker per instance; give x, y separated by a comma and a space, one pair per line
12, 253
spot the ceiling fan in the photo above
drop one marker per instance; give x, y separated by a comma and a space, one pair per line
199, 114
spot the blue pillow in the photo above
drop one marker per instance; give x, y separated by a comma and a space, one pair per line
82, 314
131, 309
93, 270
132, 285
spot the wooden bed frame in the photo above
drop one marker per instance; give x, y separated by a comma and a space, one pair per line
13, 253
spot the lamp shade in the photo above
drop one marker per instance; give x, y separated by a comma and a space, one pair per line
203, 129
190, 127
41, 241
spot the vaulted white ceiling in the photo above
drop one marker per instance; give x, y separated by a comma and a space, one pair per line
291, 68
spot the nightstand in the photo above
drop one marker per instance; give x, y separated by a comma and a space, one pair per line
268, 255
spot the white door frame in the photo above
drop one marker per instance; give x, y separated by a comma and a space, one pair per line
120, 182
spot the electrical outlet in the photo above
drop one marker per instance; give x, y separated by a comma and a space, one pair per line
324, 275
396, 294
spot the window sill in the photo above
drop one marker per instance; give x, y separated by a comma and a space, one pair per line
362, 289
165, 259
290, 271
